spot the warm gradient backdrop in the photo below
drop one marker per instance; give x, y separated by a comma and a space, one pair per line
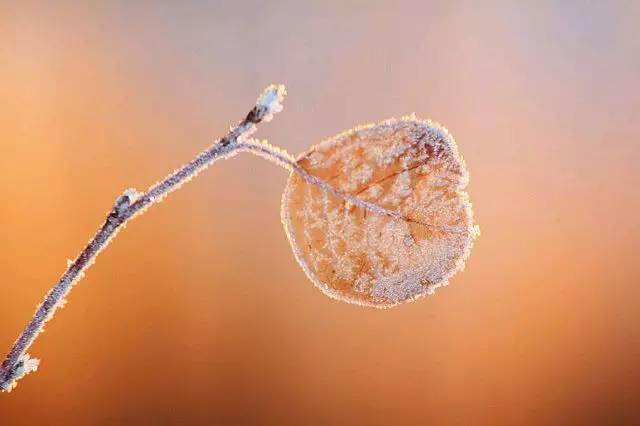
199, 314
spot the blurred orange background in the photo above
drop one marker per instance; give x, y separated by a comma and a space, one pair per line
198, 312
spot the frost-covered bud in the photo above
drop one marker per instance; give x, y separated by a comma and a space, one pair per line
268, 104
24, 366
125, 200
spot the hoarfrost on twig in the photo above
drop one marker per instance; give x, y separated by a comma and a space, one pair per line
131, 203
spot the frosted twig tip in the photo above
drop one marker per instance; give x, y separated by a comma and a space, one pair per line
24, 366
270, 101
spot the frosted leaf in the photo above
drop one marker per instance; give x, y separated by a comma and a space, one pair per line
409, 167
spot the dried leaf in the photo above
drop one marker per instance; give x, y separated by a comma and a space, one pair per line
409, 167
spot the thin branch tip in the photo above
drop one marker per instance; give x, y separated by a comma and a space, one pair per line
24, 366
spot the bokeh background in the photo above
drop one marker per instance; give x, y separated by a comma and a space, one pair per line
199, 314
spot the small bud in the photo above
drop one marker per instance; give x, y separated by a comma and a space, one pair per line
125, 200
270, 102
24, 366
379, 215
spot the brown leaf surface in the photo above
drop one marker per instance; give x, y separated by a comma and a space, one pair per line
408, 166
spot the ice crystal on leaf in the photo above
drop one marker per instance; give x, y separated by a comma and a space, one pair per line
409, 167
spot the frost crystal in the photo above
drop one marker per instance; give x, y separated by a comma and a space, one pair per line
409, 167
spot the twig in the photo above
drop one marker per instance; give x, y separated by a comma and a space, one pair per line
17, 362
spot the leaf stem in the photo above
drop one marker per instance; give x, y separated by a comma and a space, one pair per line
285, 160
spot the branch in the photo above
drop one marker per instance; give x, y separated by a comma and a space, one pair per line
130, 204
